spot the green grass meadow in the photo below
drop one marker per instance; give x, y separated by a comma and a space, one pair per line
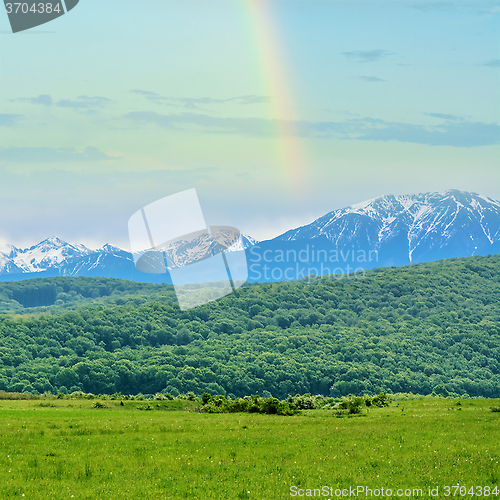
62, 449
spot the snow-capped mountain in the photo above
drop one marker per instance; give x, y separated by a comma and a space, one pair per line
52, 255
422, 226
184, 252
6, 263
49, 253
386, 231
243, 243
55, 257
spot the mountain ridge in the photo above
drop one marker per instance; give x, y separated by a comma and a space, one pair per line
382, 232
54, 256
375, 208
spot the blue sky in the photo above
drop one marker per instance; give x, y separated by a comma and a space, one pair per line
118, 104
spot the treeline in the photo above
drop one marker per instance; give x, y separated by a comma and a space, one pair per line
423, 328
56, 295
209, 403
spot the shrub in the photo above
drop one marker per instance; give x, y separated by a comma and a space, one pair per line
381, 400
249, 404
305, 402
355, 405
270, 406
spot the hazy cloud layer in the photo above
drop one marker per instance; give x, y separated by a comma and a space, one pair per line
194, 103
8, 120
465, 134
42, 100
80, 102
443, 116
254, 127
481, 7
450, 133
50, 180
364, 56
370, 79
494, 63
49, 155
434, 6
84, 102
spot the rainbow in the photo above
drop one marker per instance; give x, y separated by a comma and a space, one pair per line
275, 80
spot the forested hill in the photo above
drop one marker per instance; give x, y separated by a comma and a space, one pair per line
56, 295
420, 328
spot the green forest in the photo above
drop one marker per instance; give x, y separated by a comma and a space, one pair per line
422, 329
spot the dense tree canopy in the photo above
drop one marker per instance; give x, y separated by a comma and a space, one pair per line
413, 329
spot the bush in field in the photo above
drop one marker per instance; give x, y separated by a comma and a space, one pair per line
286, 409
270, 405
381, 400
305, 402
77, 395
215, 404
248, 404
163, 397
354, 404
190, 396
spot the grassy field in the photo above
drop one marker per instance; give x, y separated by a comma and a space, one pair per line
63, 449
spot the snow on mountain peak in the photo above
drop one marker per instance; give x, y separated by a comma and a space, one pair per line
71, 259
362, 205
48, 253
400, 229
54, 240
243, 242
6, 249
108, 248
427, 223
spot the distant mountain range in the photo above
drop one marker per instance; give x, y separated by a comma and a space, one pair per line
55, 257
386, 231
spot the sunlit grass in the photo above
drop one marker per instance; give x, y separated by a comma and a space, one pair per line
120, 452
